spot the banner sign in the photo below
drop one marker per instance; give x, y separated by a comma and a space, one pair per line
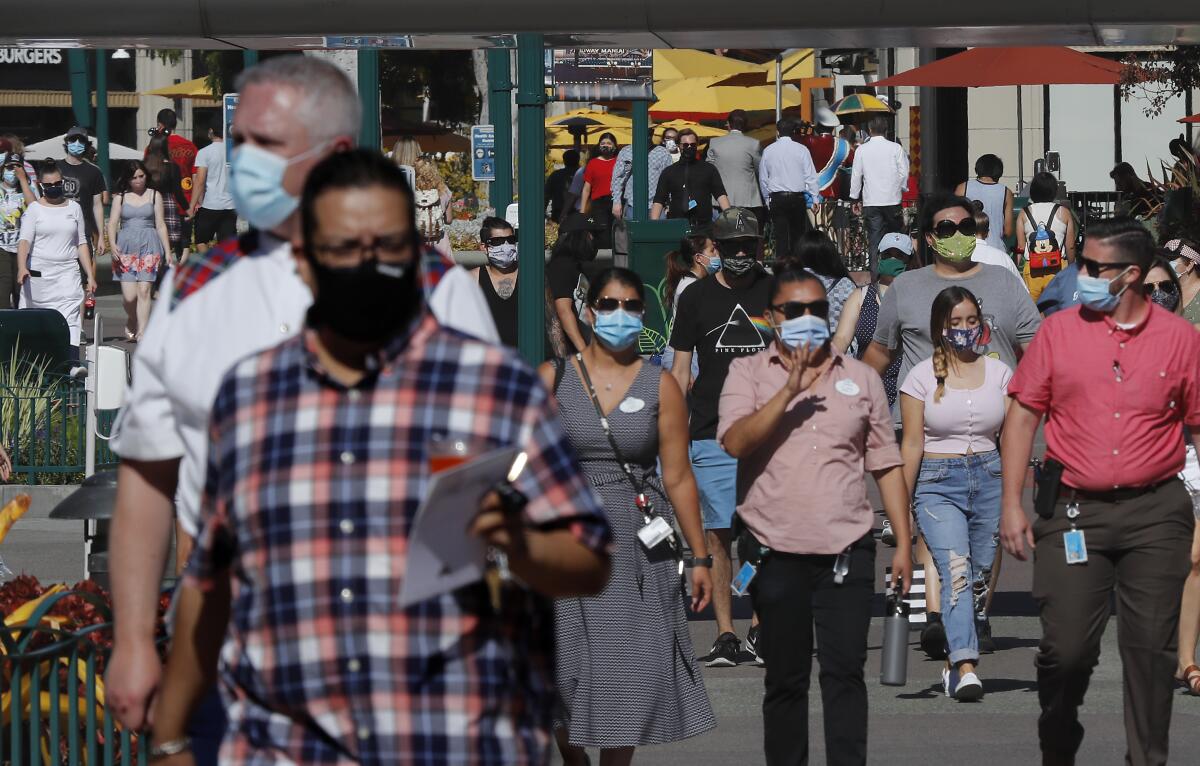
229, 104
483, 152
603, 74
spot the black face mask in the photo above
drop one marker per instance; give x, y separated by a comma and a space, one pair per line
370, 302
53, 191
734, 258
607, 151
687, 152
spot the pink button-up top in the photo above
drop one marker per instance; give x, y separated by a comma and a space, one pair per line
803, 490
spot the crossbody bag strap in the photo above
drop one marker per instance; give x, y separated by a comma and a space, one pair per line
638, 487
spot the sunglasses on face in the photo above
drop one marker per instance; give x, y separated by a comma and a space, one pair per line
631, 305
511, 239
1166, 285
947, 228
796, 309
55, 185
1096, 268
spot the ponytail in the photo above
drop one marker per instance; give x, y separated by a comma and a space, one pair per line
940, 371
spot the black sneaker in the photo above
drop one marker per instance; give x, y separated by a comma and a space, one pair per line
752, 646
983, 631
933, 637
724, 652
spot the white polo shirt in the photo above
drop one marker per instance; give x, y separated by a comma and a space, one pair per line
247, 304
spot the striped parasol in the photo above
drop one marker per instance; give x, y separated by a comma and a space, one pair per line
858, 103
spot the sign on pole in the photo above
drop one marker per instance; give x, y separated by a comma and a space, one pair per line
483, 152
601, 74
229, 104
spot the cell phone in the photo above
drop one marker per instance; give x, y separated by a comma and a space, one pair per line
1047, 486
34, 273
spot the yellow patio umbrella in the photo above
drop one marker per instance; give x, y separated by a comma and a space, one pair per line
682, 63
702, 132
796, 66
588, 118
196, 89
566, 138
697, 99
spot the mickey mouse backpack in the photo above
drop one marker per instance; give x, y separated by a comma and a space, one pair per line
1043, 251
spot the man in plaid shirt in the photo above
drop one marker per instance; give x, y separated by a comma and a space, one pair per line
318, 459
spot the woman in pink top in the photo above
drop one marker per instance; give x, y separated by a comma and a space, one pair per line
953, 406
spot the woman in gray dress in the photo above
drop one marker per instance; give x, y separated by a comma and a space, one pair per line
627, 670
137, 230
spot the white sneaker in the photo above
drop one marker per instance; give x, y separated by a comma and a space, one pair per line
969, 689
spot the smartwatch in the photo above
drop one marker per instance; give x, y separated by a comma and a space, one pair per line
705, 562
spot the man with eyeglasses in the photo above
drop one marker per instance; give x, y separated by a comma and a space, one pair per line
1115, 378
720, 319
1010, 321
319, 457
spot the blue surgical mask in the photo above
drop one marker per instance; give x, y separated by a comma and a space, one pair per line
257, 187
807, 330
1094, 292
75, 148
617, 330
964, 338
10, 177
714, 264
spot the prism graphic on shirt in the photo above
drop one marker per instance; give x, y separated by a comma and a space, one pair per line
739, 334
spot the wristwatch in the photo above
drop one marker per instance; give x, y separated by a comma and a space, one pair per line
705, 562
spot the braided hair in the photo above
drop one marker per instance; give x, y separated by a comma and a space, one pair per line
939, 321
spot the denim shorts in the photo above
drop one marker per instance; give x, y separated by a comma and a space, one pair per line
716, 478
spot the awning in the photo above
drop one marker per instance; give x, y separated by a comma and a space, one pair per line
62, 99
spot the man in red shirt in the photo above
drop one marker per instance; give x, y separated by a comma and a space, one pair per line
1116, 378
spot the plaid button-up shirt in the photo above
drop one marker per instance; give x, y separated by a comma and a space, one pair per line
310, 493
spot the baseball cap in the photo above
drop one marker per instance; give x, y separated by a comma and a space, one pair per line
825, 117
579, 222
896, 241
735, 223
76, 132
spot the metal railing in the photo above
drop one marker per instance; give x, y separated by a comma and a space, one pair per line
45, 430
56, 713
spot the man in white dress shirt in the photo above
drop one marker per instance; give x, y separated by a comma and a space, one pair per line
788, 182
877, 183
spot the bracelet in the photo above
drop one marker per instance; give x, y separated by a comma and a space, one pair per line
170, 747
705, 562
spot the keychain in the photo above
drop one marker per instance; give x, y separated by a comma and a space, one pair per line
1074, 544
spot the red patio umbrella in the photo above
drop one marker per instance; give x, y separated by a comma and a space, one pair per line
1034, 65
1193, 118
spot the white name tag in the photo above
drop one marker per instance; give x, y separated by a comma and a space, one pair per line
632, 405
847, 387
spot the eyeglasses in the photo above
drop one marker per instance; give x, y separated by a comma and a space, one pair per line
631, 305
391, 246
946, 228
1165, 285
511, 239
795, 309
1096, 268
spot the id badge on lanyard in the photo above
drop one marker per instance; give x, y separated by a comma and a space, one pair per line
1074, 543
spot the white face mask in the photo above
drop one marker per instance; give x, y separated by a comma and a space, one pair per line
502, 256
1182, 266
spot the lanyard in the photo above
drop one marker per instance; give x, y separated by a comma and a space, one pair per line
639, 492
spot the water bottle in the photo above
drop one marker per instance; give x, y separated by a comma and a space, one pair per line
894, 658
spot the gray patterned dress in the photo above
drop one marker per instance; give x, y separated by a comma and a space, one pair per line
626, 668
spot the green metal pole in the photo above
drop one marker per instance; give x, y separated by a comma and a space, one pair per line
531, 115
641, 160
368, 93
249, 58
500, 113
80, 92
102, 113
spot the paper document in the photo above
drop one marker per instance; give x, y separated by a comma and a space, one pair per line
442, 555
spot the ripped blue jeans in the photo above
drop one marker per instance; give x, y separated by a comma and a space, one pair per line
958, 513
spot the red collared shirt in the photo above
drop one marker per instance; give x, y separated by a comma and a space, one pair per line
803, 491
1114, 399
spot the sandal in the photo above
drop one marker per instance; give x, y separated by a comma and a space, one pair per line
1190, 680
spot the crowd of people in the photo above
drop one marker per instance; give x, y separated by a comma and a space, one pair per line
291, 460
